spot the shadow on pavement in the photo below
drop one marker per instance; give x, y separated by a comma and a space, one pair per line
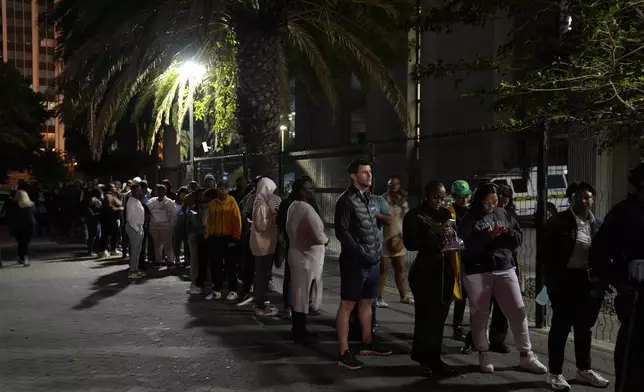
109, 285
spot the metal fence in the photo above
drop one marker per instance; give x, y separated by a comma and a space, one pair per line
533, 163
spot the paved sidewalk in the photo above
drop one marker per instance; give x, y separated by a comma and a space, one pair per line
70, 324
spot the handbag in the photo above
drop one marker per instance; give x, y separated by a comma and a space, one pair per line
452, 244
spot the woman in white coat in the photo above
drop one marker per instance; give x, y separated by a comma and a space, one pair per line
305, 231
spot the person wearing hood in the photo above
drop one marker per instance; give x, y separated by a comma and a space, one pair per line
263, 241
616, 261
307, 243
223, 231
490, 234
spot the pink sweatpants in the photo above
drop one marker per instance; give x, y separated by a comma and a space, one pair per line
504, 285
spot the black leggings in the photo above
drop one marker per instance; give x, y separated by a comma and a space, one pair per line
23, 237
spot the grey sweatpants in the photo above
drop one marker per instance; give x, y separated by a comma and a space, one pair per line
136, 245
263, 268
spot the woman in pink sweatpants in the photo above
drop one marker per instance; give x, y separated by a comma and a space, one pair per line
490, 235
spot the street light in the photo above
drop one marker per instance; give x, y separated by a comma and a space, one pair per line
192, 72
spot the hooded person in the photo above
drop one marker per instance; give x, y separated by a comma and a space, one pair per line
263, 241
305, 231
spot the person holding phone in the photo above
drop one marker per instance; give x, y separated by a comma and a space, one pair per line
431, 277
490, 235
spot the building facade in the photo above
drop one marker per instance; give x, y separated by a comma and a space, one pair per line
28, 43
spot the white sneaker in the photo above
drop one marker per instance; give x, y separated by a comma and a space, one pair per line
194, 290
380, 302
26, 263
557, 382
485, 362
590, 377
532, 364
93, 255
116, 253
232, 296
214, 295
407, 299
104, 255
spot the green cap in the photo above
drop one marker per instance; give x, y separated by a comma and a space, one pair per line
461, 188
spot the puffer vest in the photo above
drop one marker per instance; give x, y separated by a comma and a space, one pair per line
363, 226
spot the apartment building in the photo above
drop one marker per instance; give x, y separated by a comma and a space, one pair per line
28, 43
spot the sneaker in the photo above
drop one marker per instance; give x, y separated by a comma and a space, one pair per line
313, 311
104, 255
194, 290
407, 299
94, 255
115, 253
374, 350
485, 362
438, 369
267, 311
246, 299
142, 274
557, 382
380, 302
590, 377
232, 296
349, 361
26, 262
214, 295
133, 275
532, 364
459, 333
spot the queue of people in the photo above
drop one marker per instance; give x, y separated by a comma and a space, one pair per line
467, 252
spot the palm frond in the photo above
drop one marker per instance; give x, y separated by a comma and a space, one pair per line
303, 41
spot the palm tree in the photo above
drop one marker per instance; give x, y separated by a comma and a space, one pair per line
113, 48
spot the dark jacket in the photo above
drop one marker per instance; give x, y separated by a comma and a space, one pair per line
20, 220
357, 229
417, 230
557, 245
618, 241
483, 253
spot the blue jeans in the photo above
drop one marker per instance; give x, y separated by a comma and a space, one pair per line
94, 234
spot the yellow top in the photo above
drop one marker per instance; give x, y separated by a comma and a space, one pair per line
223, 218
455, 259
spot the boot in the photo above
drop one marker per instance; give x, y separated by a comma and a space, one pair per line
300, 334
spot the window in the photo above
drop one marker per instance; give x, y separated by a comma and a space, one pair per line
556, 181
520, 185
501, 182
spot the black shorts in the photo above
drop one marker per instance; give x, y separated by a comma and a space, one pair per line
359, 281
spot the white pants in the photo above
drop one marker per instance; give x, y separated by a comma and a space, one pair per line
306, 281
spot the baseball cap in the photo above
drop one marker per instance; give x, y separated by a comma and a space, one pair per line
209, 177
461, 188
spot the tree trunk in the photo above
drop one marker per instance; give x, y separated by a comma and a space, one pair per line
259, 97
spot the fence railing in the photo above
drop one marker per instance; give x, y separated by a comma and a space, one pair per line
537, 164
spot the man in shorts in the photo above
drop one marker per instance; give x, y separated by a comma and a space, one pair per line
357, 230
